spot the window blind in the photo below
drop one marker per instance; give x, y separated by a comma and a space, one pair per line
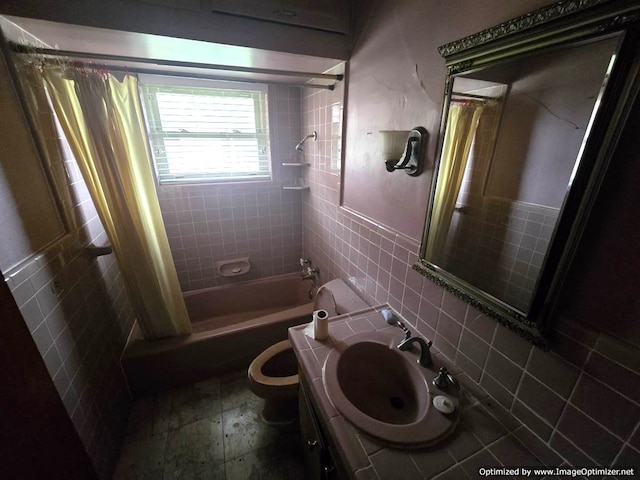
201, 134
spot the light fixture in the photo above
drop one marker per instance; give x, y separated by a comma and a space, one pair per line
404, 150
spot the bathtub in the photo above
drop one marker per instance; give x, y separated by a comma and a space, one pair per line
231, 325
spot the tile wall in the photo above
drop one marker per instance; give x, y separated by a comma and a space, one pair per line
209, 223
570, 398
79, 316
504, 259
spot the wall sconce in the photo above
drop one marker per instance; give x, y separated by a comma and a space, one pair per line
404, 150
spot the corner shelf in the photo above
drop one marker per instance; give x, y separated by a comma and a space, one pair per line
300, 182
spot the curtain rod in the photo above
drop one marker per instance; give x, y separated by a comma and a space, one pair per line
19, 48
468, 100
471, 95
203, 76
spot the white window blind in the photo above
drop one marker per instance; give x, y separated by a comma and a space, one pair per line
202, 134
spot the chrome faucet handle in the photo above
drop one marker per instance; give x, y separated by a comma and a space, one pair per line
444, 380
407, 332
407, 341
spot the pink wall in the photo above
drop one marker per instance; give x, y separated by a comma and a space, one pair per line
397, 83
544, 123
569, 398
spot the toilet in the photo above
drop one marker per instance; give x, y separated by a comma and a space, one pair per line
273, 375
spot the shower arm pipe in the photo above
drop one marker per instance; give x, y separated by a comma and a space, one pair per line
313, 135
18, 48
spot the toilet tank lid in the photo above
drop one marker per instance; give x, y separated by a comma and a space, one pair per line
346, 300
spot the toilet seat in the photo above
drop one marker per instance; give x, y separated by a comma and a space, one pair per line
255, 369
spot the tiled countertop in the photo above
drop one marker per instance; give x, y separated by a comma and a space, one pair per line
487, 436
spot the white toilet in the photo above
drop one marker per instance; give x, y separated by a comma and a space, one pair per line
273, 375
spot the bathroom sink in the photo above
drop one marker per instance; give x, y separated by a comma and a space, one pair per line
379, 383
384, 392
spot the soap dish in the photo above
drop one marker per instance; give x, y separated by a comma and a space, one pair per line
231, 268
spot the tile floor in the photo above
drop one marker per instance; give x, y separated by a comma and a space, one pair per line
209, 430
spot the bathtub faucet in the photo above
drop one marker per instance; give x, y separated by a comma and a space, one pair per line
308, 270
310, 273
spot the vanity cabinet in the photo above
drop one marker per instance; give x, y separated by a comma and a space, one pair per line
334, 448
320, 458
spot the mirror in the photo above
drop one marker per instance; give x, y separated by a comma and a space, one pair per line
530, 113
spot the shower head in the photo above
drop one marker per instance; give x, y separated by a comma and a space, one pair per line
313, 135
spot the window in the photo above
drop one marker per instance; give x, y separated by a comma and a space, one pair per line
207, 134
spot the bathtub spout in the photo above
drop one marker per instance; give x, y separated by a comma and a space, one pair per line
310, 273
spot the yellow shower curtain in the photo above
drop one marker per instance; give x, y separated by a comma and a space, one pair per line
461, 127
102, 120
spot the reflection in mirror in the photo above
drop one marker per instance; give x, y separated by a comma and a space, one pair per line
514, 134
532, 112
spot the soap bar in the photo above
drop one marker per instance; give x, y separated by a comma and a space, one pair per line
388, 316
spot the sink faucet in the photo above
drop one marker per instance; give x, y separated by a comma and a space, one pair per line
425, 355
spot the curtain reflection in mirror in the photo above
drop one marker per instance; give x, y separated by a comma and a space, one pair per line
461, 128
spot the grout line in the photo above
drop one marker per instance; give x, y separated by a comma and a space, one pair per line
525, 371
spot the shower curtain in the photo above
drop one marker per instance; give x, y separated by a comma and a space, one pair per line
102, 120
461, 128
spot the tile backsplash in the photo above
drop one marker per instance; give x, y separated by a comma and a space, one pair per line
570, 398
